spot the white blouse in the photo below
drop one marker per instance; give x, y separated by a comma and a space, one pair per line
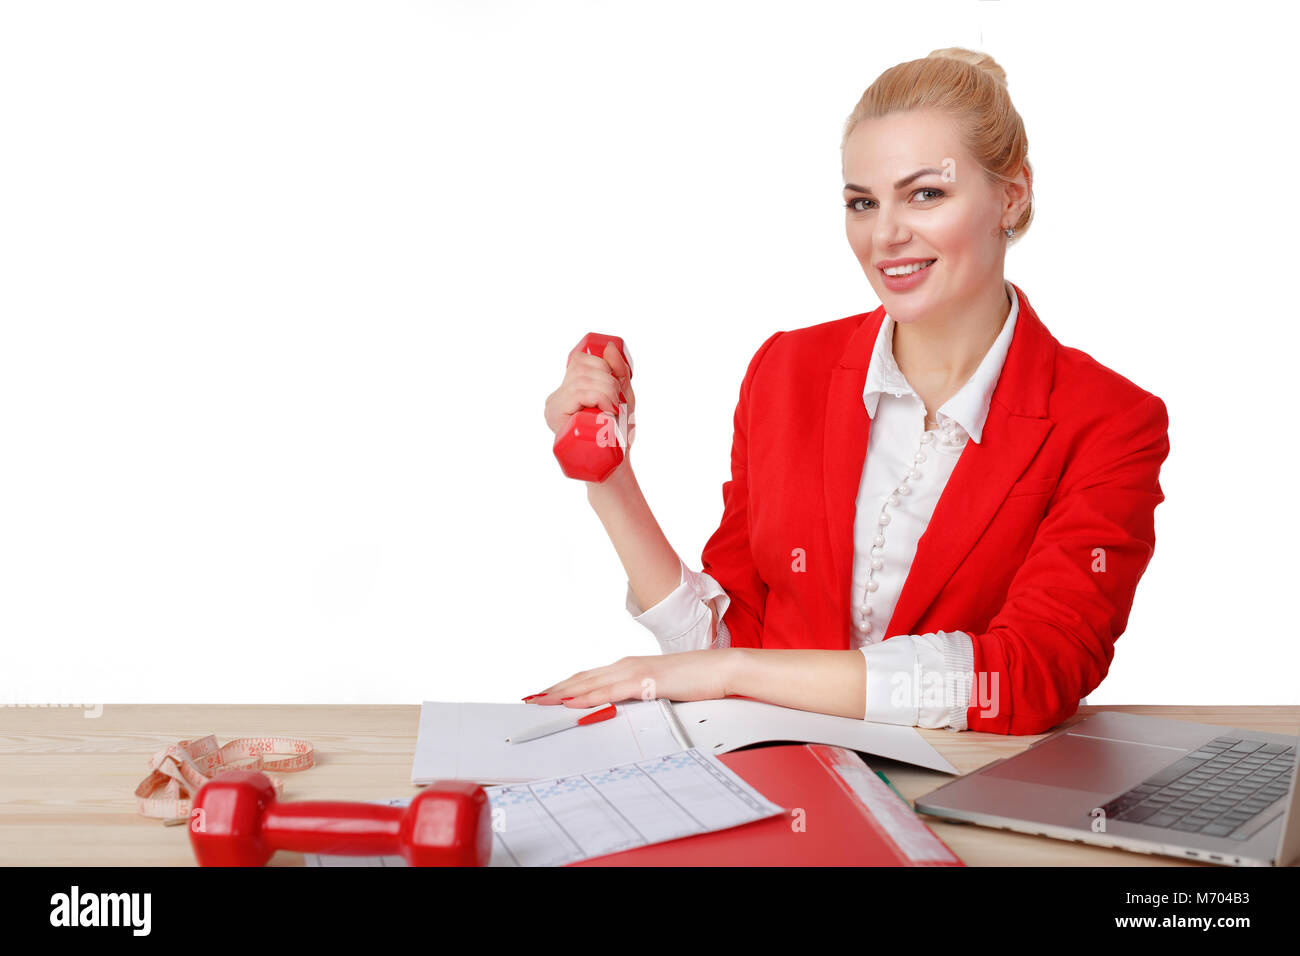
914, 679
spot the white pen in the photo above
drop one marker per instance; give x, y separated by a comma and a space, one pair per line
555, 726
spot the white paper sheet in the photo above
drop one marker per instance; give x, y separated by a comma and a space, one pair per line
564, 819
721, 726
466, 741
463, 741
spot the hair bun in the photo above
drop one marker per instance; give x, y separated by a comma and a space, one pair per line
981, 61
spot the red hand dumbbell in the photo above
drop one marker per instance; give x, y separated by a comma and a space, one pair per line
237, 821
590, 446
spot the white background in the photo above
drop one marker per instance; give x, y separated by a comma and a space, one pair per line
284, 287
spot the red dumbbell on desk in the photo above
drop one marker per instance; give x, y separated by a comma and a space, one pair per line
237, 821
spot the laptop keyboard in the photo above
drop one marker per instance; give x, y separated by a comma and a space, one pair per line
1219, 790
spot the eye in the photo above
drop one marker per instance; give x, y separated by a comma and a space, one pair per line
852, 204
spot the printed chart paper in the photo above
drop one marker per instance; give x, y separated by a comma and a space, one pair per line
559, 820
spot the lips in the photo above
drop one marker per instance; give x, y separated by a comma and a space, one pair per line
911, 280
928, 263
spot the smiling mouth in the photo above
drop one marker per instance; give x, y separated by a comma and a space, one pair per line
903, 271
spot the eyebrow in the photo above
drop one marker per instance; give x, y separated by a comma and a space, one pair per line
898, 185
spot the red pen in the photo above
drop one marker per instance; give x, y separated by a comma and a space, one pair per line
555, 726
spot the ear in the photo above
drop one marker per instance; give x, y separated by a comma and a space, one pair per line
1016, 195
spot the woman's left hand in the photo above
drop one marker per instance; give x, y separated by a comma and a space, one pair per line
688, 675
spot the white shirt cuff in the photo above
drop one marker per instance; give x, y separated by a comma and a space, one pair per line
683, 621
947, 665
921, 680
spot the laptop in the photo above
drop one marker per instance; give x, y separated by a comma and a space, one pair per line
1147, 784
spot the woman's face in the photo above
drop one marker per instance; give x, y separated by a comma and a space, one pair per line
950, 214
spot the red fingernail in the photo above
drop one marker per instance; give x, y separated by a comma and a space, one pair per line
530, 697
566, 698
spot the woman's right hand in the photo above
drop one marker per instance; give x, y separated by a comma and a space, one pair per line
592, 381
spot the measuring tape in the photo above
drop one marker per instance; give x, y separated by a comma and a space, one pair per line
178, 771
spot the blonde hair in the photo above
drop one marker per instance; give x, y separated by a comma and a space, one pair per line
971, 89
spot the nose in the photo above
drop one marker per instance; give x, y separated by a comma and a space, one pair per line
889, 230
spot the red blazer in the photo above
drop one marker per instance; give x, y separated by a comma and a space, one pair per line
1034, 549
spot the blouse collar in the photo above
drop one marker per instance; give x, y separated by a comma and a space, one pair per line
969, 407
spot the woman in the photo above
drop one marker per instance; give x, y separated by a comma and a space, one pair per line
937, 515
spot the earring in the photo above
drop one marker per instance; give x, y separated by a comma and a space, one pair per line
1010, 233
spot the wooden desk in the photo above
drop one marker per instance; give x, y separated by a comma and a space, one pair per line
67, 781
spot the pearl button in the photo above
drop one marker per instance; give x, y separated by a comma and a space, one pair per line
864, 627
918, 458
903, 489
878, 541
883, 519
877, 552
877, 564
872, 585
893, 500
914, 474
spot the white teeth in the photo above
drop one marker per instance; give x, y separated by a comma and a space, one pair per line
907, 270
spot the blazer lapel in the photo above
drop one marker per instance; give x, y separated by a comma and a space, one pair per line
1016, 427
